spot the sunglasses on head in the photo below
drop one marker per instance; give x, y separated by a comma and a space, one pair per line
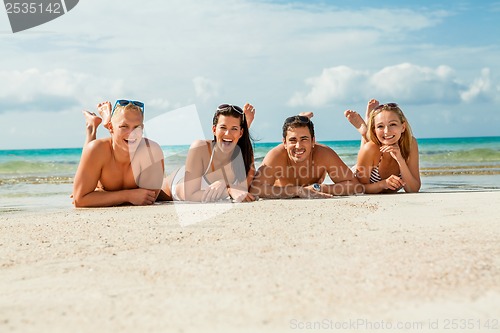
300, 119
387, 106
125, 102
227, 107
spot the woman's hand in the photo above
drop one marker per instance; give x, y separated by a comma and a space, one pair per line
393, 183
214, 192
393, 150
241, 195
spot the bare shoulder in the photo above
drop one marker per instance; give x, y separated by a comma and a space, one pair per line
96, 153
414, 142
323, 152
323, 149
370, 148
276, 156
199, 143
198, 152
153, 144
99, 146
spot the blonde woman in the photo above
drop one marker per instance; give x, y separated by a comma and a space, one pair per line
388, 158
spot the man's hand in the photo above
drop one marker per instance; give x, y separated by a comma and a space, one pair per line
141, 197
310, 193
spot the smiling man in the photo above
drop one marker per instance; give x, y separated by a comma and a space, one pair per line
124, 168
298, 166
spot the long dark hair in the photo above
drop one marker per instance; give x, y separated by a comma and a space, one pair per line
244, 143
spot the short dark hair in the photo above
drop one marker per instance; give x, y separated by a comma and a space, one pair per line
298, 121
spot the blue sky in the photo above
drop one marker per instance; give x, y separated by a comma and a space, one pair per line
440, 60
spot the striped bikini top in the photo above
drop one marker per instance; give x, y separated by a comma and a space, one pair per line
375, 173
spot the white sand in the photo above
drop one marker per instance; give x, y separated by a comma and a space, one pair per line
406, 259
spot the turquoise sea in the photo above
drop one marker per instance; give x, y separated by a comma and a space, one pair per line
42, 178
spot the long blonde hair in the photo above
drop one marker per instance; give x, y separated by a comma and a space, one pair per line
406, 137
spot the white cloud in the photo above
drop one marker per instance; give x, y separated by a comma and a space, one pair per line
241, 50
54, 90
158, 103
405, 82
332, 85
480, 88
416, 84
205, 88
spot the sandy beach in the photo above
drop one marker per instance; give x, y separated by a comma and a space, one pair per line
360, 263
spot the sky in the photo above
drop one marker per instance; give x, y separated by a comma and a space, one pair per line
439, 60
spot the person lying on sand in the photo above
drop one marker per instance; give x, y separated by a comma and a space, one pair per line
124, 168
388, 157
222, 168
298, 166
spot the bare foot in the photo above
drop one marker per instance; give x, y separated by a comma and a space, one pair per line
356, 121
249, 111
307, 114
104, 109
372, 105
92, 121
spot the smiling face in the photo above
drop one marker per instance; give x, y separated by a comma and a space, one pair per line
227, 132
388, 127
298, 143
127, 127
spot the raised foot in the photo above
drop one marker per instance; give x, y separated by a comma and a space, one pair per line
355, 119
91, 119
104, 110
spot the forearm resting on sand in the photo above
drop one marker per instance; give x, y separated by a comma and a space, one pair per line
348, 187
276, 192
137, 197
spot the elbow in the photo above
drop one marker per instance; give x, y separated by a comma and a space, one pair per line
256, 190
359, 188
79, 204
414, 189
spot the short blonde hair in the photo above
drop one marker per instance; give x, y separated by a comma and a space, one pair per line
128, 107
406, 137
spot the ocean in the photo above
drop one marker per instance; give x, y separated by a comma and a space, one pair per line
42, 178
